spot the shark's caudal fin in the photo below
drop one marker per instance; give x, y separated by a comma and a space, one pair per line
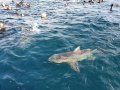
74, 66
77, 49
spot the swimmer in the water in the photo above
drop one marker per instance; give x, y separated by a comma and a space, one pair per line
13, 1
100, 1
5, 7
43, 16
3, 4
18, 4
91, 1
111, 6
22, 4
2, 27
115, 5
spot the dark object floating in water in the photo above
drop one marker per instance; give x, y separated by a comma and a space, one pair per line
111, 6
8, 32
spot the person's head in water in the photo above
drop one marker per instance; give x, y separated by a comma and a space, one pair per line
111, 6
90, 1
43, 16
18, 4
13, 1
21, 2
2, 27
7, 7
3, 5
100, 1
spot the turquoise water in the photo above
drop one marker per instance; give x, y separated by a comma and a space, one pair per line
24, 55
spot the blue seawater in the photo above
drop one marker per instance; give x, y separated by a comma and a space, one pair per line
24, 55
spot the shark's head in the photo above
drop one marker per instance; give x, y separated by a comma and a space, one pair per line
58, 58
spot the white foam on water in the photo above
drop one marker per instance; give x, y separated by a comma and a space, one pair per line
34, 25
35, 28
5, 1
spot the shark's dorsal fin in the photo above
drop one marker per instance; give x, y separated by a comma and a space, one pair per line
74, 66
77, 49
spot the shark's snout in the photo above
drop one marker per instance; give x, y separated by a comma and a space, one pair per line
52, 58
55, 58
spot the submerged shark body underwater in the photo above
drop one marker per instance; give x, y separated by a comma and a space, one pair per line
73, 57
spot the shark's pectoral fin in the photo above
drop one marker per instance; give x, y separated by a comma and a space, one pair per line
74, 66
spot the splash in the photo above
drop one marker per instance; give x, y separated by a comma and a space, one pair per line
33, 24
35, 28
5, 1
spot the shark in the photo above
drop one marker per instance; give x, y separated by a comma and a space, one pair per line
73, 57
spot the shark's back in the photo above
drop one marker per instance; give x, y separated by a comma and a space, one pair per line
85, 54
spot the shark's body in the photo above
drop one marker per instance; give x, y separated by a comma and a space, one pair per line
73, 57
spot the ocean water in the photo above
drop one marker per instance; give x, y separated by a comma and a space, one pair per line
24, 53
